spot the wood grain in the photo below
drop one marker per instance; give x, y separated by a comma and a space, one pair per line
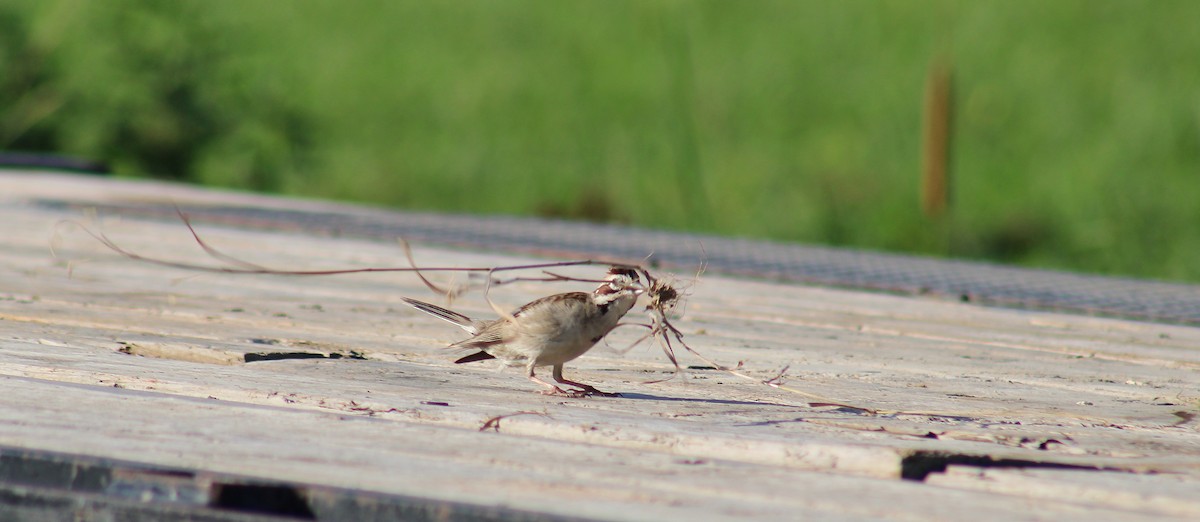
995, 413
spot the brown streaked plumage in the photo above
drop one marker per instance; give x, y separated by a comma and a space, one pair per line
550, 331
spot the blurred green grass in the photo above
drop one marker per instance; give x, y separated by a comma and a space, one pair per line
1076, 132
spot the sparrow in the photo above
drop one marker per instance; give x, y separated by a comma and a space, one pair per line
550, 331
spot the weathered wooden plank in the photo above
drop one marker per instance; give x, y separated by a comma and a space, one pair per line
455, 464
121, 359
1167, 494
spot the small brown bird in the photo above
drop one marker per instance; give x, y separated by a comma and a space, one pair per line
549, 331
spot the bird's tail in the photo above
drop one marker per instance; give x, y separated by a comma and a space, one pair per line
450, 316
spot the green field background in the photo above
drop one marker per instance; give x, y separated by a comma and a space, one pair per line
1076, 128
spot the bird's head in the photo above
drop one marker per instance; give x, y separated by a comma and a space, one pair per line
621, 281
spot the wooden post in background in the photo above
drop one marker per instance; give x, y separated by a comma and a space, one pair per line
935, 156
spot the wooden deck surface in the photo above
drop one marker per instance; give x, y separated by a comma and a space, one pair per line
991, 414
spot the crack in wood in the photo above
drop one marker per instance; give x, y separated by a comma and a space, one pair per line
209, 355
35, 484
918, 465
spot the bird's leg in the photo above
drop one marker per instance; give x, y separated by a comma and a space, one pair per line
551, 389
587, 389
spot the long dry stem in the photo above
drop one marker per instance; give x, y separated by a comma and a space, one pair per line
663, 295
245, 267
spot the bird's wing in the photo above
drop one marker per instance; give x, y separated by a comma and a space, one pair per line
490, 335
569, 299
